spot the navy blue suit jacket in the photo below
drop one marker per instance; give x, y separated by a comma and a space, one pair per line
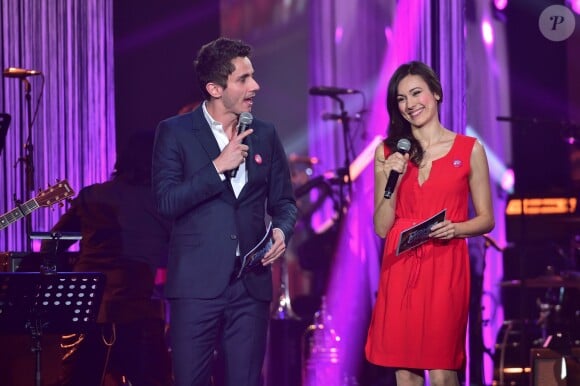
209, 220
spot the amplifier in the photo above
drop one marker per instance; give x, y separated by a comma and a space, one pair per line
555, 368
10, 261
31, 261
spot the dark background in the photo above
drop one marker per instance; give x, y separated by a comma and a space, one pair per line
539, 103
155, 46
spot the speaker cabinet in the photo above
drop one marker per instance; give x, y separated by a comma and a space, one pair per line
555, 368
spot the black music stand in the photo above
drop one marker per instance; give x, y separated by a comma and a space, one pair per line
33, 303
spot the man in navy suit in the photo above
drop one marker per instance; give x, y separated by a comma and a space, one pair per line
218, 216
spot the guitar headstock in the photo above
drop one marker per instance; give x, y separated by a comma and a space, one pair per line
55, 193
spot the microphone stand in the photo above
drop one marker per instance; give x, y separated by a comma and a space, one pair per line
570, 131
28, 147
344, 172
28, 159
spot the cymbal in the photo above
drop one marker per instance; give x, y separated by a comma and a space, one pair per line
302, 159
547, 281
510, 283
552, 281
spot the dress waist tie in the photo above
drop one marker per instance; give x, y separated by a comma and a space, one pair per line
415, 256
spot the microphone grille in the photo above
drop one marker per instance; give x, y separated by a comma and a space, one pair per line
245, 118
404, 145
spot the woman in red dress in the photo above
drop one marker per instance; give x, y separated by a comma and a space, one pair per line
420, 317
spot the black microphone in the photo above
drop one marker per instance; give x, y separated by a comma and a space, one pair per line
244, 121
403, 147
332, 91
15, 72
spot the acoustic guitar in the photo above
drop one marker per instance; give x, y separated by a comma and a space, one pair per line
45, 198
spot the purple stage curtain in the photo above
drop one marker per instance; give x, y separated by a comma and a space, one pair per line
73, 135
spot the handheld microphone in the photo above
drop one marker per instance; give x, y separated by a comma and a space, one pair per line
244, 121
332, 91
403, 147
15, 72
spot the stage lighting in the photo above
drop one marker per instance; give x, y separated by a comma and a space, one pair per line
498, 8
500, 4
574, 5
487, 33
507, 181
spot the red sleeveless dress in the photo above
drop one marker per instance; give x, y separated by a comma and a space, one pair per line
420, 317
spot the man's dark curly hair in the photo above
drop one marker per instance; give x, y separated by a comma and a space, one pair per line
214, 61
399, 127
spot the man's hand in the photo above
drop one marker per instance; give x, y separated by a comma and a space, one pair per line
278, 248
234, 153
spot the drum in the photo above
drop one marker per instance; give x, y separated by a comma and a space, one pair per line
511, 358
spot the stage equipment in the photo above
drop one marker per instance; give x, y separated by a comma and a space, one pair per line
320, 344
403, 147
321, 352
556, 326
20, 73
569, 131
545, 281
46, 198
538, 226
555, 367
54, 261
332, 91
284, 309
35, 303
510, 359
542, 218
286, 327
244, 121
344, 118
335, 185
28, 158
32, 261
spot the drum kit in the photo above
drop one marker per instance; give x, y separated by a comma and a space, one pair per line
556, 324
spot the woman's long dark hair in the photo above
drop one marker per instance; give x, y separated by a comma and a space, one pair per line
399, 127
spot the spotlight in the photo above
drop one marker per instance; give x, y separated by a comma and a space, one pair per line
574, 5
498, 9
500, 4
508, 180
487, 33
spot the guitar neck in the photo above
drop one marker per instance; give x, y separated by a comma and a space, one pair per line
17, 213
